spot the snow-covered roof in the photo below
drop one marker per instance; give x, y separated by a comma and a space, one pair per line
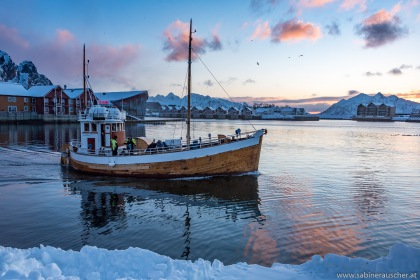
262, 110
116, 96
13, 89
73, 92
40, 91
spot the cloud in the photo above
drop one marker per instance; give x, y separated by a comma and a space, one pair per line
64, 36
176, 42
209, 83
350, 4
353, 92
215, 44
370, 74
263, 31
295, 30
11, 39
395, 71
405, 66
263, 6
314, 3
249, 81
381, 28
60, 57
410, 95
333, 29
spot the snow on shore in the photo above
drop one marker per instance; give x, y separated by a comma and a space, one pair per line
403, 262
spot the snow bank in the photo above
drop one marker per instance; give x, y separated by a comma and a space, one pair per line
403, 262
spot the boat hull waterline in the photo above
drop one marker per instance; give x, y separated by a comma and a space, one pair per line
225, 159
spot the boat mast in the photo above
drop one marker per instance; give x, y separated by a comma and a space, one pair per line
84, 75
189, 86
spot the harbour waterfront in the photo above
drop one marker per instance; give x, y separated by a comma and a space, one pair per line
341, 187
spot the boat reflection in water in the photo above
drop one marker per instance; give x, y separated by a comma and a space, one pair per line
184, 219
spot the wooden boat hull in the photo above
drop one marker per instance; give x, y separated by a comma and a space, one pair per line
232, 158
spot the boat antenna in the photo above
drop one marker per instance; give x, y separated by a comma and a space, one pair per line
189, 87
84, 75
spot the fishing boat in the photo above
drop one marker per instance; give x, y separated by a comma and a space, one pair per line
173, 158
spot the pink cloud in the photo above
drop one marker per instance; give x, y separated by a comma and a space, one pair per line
350, 4
295, 30
263, 31
314, 3
382, 16
176, 42
108, 60
60, 58
64, 36
382, 28
10, 37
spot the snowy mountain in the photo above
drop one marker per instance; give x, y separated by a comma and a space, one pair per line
25, 73
346, 109
196, 100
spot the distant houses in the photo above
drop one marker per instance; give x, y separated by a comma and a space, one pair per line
155, 109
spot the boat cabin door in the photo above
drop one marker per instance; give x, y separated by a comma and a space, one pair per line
107, 137
91, 144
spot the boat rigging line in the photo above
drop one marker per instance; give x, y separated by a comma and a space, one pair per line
217, 81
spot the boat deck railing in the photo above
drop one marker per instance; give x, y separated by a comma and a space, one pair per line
162, 147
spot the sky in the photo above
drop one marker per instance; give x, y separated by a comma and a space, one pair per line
301, 53
48, 262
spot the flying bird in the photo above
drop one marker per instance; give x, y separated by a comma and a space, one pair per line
300, 55
258, 63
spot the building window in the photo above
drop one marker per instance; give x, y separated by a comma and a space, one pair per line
47, 110
33, 101
70, 101
25, 108
71, 109
11, 99
11, 108
25, 99
46, 100
33, 109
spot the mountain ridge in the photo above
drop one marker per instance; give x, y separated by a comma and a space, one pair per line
25, 73
347, 108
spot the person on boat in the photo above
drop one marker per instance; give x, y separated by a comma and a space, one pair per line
130, 144
114, 145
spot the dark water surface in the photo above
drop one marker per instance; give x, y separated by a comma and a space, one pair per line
343, 187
